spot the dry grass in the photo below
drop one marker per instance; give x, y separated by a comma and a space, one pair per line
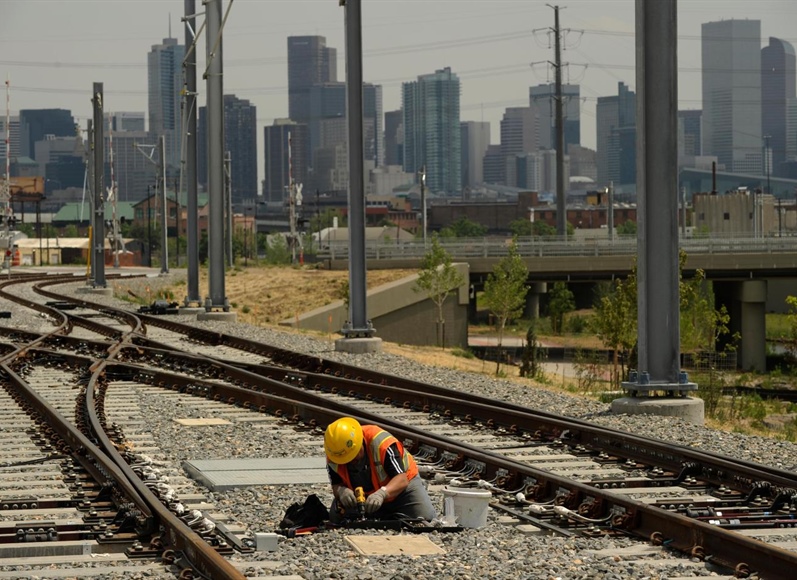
266, 295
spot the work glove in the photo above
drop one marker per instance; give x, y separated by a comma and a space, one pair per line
375, 501
346, 498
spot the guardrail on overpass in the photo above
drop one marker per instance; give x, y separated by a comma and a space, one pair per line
461, 248
719, 253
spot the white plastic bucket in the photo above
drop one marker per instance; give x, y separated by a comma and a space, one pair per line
469, 506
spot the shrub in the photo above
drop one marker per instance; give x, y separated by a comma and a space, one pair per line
462, 352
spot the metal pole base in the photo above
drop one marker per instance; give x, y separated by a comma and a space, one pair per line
640, 385
349, 332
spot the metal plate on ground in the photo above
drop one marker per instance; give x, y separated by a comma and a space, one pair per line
226, 474
400, 545
202, 421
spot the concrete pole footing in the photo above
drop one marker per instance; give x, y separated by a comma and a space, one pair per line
688, 408
358, 345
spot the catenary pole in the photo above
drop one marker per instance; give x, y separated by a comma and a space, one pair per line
192, 296
98, 230
215, 148
164, 209
358, 324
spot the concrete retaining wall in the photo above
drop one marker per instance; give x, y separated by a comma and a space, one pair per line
399, 314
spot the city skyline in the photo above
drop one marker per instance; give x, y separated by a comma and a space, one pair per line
489, 47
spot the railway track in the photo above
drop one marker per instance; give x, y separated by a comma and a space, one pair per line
559, 473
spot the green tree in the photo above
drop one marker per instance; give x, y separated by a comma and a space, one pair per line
615, 320
627, 228
505, 292
561, 302
465, 228
522, 227
71, 231
277, 250
791, 316
533, 355
538, 228
27, 228
325, 219
701, 324
437, 278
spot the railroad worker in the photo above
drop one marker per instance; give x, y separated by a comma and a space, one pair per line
367, 456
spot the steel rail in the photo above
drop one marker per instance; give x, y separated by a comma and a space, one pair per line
721, 545
311, 411
104, 462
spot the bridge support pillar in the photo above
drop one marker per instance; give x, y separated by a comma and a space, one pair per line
532, 309
748, 317
473, 312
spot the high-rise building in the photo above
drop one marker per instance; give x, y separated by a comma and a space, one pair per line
34, 124
165, 78
394, 138
542, 100
791, 130
616, 137
279, 138
132, 171
13, 137
494, 165
582, 162
731, 64
328, 101
310, 62
240, 139
474, 140
518, 131
778, 85
519, 135
431, 130
125, 121
689, 133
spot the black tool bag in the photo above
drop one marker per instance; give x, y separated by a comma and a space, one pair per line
311, 513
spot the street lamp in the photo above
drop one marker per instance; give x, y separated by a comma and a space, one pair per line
423, 201
780, 217
149, 227
766, 159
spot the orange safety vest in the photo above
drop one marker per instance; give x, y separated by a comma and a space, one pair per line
376, 441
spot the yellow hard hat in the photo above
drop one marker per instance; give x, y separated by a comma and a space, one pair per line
343, 440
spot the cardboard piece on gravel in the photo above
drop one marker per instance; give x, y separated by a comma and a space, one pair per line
400, 545
202, 421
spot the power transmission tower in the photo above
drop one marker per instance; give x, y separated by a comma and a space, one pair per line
561, 193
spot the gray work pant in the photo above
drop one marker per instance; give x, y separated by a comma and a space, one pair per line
413, 502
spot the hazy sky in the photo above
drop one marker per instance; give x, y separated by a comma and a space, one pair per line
53, 50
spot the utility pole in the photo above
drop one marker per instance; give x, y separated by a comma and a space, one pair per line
291, 201
610, 217
561, 205
149, 223
228, 207
5, 194
98, 231
766, 160
116, 245
164, 210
